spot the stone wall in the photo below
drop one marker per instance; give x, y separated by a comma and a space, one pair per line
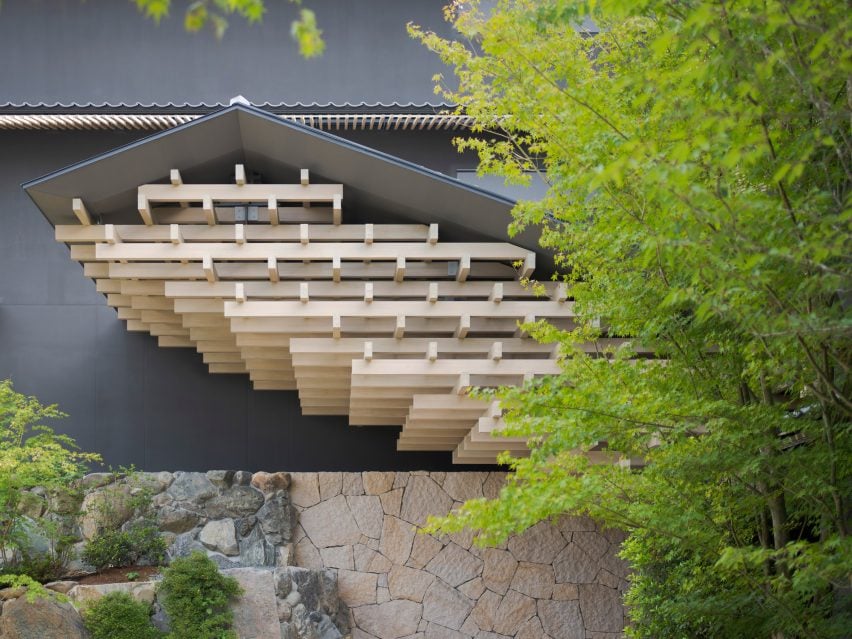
556, 581
561, 581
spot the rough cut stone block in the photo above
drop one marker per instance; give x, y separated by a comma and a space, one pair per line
594, 544
307, 554
392, 501
330, 485
473, 588
561, 619
498, 570
356, 588
565, 592
491, 487
423, 497
330, 523
376, 483
464, 486
533, 580
304, 489
573, 565
368, 514
434, 631
514, 610
530, 629
256, 611
486, 609
601, 608
390, 620
338, 557
455, 565
368, 560
352, 484
407, 583
397, 538
422, 550
446, 606
538, 544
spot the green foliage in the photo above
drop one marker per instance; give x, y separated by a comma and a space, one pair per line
114, 548
195, 595
118, 616
132, 575
34, 588
32, 456
699, 162
215, 13
119, 542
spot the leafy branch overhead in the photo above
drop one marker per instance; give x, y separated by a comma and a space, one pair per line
215, 14
699, 161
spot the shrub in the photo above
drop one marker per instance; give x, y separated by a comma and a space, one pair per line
195, 595
113, 548
118, 616
32, 455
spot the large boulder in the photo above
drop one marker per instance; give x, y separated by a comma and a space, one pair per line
237, 501
195, 488
221, 536
256, 551
107, 507
277, 518
43, 618
176, 519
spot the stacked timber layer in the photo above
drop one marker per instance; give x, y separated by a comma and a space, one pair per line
383, 323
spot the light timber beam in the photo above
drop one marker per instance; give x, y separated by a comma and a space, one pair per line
175, 178
272, 207
240, 175
81, 211
258, 193
144, 209
271, 266
388, 251
209, 269
337, 210
208, 210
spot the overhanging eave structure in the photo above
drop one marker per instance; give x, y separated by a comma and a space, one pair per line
375, 288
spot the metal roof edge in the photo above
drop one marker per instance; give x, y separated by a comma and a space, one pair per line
201, 108
258, 112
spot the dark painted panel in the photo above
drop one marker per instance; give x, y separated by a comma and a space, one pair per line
104, 51
127, 398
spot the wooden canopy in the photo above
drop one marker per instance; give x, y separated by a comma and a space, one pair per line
384, 323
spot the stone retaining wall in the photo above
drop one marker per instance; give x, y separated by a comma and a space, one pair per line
561, 581
556, 581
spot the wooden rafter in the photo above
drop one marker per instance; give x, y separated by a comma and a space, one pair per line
384, 323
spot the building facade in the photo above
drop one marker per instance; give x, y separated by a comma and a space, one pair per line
84, 79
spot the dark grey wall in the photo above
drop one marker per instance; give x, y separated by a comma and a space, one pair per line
130, 400
105, 51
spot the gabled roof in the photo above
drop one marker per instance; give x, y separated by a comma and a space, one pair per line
378, 187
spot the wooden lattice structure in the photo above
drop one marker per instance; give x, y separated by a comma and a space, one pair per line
384, 323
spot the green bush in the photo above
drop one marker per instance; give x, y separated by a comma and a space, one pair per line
33, 456
118, 616
114, 548
195, 595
